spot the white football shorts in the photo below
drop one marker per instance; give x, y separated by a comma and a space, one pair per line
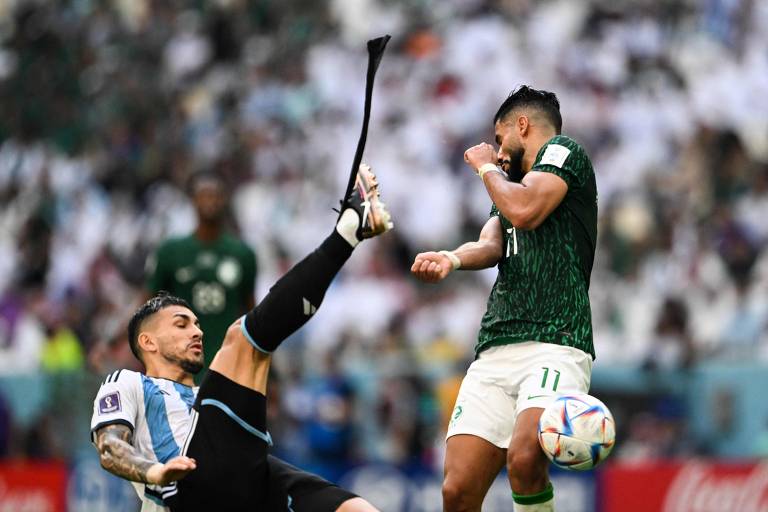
505, 380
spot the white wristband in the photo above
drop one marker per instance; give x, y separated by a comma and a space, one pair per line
455, 261
486, 168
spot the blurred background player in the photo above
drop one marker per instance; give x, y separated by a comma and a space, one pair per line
535, 340
212, 269
206, 448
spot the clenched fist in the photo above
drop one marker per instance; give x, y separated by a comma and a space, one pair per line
431, 267
479, 155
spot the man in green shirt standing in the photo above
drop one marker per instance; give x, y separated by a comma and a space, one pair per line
212, 270
535, 340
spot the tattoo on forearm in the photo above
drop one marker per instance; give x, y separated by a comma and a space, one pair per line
118, 456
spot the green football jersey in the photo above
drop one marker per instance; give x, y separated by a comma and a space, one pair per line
541, 292
217, 278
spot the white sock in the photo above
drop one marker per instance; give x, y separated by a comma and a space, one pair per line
547, 506
347, 226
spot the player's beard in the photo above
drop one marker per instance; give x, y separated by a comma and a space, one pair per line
192, 367
189, 365
514, 165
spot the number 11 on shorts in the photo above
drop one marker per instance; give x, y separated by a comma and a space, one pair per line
546, 374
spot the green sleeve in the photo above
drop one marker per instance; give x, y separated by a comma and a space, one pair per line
570, 170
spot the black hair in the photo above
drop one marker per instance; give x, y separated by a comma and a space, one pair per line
524, 96
201, 176
160, 301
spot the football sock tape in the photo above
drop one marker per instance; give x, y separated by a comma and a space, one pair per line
532, 499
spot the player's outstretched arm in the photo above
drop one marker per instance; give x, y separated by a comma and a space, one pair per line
119, 457
432, 267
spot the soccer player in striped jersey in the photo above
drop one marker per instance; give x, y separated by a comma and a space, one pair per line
535, 340
186, 448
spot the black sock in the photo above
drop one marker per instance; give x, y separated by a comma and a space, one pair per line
297, 295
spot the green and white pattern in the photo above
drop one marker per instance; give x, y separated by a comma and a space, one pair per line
541, 292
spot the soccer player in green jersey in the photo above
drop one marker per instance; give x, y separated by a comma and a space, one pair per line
535, 340
212, 270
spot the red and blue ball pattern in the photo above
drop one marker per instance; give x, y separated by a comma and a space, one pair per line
577, 432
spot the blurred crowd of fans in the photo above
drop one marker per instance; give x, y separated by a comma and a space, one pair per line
109, 106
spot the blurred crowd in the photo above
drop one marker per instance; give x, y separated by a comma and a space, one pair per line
109, 106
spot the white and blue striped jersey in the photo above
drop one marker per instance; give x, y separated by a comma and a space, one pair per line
160, 413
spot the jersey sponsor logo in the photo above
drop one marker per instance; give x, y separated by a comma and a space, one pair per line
110, 403
555, 154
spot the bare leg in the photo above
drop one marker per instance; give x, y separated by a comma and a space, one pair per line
471, 465
240, 362
356, 505
526, 463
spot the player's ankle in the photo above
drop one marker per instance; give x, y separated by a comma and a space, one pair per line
347, 226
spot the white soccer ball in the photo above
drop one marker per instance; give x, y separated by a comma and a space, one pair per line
577, 432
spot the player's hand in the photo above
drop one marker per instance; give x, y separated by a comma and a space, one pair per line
172, 471
431, 267
479, 155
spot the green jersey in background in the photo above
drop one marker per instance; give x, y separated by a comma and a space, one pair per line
217, 278
541, 292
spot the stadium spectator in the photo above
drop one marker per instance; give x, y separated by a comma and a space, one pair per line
211, 269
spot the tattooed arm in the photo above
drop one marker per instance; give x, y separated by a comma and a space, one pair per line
119, 457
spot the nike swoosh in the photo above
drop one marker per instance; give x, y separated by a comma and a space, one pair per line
366, 212
535, 396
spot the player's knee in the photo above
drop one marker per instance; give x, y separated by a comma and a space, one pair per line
234, 335
527, 464
235, 345
458, 495
235, 339
356, 505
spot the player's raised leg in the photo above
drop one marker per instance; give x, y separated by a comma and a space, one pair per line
471, 465
231, 402
295, 298
527, 466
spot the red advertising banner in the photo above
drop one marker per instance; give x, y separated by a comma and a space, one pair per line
696, 486
33, 487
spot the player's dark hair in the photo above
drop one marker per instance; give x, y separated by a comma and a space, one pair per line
160, 301
202, 176
543, 101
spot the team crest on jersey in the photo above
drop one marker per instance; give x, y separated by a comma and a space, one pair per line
110, 403
456, 413
229, 272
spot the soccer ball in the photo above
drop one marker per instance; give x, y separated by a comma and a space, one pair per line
577, 432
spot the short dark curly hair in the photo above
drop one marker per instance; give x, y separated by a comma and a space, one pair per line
160, 301
524, 96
